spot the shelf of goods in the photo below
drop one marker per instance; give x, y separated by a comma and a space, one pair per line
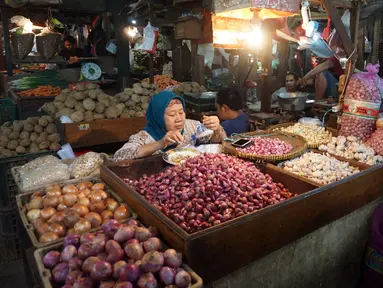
29, 200
253, 235
100, 132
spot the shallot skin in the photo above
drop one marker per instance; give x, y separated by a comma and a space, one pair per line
208, 190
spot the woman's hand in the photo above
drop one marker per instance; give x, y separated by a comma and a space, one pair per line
170, 138
211, 122
73, 60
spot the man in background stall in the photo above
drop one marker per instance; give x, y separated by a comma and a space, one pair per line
291, 86
71, 53
229, 108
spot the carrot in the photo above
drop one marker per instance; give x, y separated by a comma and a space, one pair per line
41, 91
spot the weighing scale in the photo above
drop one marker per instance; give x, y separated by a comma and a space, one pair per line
90, 71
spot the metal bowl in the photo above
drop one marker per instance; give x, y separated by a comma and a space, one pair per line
292, 101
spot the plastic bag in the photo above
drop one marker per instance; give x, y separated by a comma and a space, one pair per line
22, 44
310, 121
149, 43
19, 20
376, 141
34, 164
43, 175
334, 40
48, 45
87, 165
362, 103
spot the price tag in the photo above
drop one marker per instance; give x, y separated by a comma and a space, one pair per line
84, 127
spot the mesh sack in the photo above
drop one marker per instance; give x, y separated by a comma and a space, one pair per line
48, 45
376, 141
32, 165
87, 165
22, 44
44, 175
362, 103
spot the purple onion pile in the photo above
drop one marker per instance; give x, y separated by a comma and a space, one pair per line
208, 190
119, 256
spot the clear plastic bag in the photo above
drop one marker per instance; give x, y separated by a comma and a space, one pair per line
34, 164
44, 175
362, 103
310, 121
87, 165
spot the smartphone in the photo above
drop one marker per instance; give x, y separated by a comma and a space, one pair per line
241, 143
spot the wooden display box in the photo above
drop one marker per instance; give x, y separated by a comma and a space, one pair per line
188, 28
100, 132
219, 250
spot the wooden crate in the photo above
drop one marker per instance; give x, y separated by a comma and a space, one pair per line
188, 28
219, 250
100, 132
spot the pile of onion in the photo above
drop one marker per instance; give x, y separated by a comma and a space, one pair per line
72, 209
208, 190
122, 255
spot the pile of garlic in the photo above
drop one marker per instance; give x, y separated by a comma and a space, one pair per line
352, 148
314, 135
322, 169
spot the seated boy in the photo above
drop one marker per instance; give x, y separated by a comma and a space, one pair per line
229, 108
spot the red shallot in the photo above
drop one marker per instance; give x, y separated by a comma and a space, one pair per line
267, 146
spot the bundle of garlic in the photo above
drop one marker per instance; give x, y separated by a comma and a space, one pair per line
322, 169
136, 99
314, 135
352, 148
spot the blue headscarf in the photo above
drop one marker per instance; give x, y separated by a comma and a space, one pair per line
155, 114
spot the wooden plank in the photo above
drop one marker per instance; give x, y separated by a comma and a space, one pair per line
283, 50
102, 131
360, 45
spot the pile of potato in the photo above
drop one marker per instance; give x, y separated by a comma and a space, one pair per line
85, 103
136, 99
33, 135
186, 87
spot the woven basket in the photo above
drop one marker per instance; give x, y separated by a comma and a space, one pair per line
298, 142
333, 132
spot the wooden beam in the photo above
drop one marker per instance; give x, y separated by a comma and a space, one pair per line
7, 41
338, 24
283, 51
266, 59
360, 45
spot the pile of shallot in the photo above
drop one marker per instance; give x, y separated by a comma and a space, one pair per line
322, 169
119, 256
352, 148
208, 190
376, 141
267, 146
314, 135
72, 209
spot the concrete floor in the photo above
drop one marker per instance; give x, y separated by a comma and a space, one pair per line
12, 275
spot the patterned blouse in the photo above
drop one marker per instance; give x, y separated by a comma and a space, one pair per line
191, 130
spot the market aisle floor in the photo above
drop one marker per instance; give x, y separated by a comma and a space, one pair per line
12, 274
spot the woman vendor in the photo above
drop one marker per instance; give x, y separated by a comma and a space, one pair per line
168, 128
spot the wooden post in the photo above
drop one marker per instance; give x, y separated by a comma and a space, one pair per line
177, 59
360, 45
7, 41
283, 51
266, 59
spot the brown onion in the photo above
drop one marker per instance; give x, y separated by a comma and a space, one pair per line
84, 201
57, 217
42, 229
53, 187
111, 204
94, 219
55, 193
50, 201
49, 237
47, 213
35, 203
61, 207
81, 209
58, 229
71, 218
70, 200
106, 215
86, 192
33, 214
70, 189
37, 194
97, 195
80, 195
84, 185
97, 206
121, 213
82, 226
98, 186
70, 231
